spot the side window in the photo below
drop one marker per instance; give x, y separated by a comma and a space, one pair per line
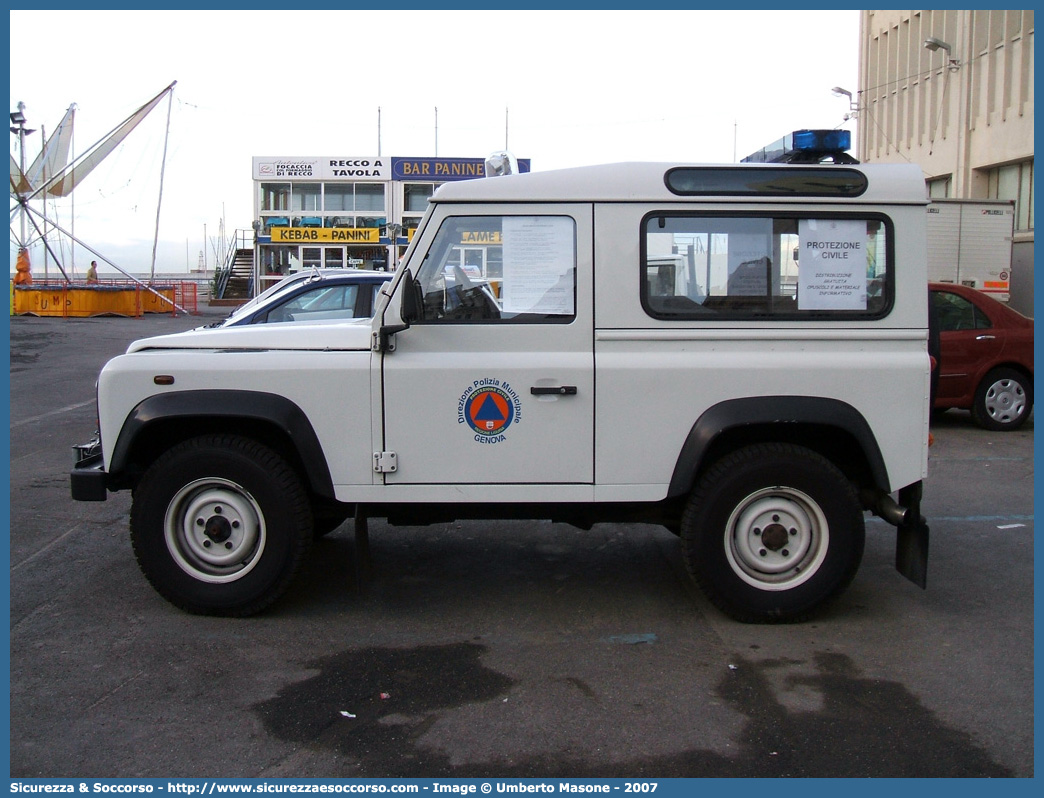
736, 267
500, 269
957, 313
320, 303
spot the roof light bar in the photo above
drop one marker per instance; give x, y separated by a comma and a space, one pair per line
806, 146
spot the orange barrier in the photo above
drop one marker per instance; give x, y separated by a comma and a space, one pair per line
118, 299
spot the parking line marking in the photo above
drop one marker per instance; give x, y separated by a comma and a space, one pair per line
57, 412
45, 549
969, 519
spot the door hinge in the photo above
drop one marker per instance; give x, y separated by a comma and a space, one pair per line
383, 340
384, 462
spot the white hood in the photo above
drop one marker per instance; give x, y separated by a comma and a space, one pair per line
354, 334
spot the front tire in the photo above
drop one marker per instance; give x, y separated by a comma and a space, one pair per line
1003, 400
772, 533
219, 525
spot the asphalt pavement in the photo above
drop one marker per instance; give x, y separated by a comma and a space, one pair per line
512, 649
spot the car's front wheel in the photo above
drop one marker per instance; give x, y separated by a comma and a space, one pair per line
1003, 400
772, 532
219, 525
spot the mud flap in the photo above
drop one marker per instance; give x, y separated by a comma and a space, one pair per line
911, 543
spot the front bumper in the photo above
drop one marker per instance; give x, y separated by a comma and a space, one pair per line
88, 479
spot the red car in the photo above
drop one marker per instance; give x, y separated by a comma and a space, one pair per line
985, 357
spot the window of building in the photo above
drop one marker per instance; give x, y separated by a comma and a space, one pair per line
278, 261
939, 188
312, 257
500, 268
1015, 182
339, 197
275, 196
415, 196
306, 197
369, 197
784, 266
269, 222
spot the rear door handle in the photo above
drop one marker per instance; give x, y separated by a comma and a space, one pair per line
553, 390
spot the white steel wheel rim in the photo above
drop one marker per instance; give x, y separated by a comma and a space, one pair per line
214, 530
776, 538
1005, 401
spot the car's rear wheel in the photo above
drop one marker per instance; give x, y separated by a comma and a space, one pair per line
772, 532
1003, 400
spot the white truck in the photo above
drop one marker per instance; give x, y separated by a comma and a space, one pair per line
969, 243
757, 419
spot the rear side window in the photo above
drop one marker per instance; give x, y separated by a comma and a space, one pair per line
755, 266
957, 313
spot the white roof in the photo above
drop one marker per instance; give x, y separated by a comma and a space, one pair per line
644, 182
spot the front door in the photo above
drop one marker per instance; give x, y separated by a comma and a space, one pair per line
495, 385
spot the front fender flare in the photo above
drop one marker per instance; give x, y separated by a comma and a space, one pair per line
229, 404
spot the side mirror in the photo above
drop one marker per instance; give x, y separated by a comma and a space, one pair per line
410, 308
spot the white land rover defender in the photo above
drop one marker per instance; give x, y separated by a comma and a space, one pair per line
735, 352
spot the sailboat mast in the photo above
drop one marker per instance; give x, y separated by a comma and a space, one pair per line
46, 249
163, 169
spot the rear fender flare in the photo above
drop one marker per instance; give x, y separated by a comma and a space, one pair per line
735, 414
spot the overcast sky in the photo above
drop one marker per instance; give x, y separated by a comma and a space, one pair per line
562, 88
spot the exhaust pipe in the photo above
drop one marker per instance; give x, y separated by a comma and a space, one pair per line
884, 506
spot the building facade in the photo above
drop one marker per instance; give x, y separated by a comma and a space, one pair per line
343, 211
952, 91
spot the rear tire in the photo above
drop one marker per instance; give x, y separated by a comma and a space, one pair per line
220, 524
772, 533
1003, 400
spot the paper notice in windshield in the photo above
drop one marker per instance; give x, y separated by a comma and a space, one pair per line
832, 265
539, 265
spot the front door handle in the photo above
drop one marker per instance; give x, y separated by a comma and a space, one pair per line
553, 390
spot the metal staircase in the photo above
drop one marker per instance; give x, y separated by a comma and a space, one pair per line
234, 279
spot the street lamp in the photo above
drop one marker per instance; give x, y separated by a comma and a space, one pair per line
18, 128
392, 230
853, 106
933, 43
